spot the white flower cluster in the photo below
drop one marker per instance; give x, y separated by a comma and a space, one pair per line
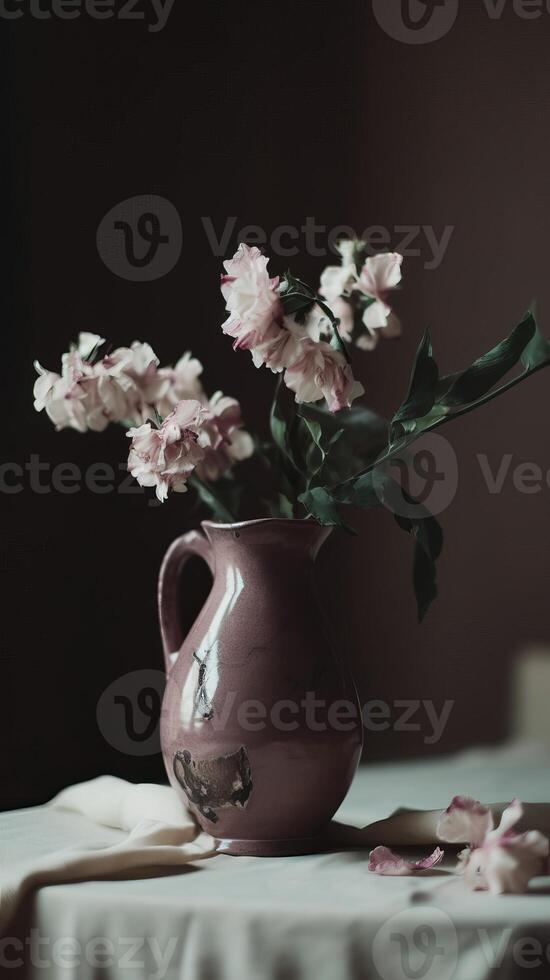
128, 386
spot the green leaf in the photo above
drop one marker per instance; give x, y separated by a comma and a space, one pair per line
536, 353
351, 439
296, 297
297, 303
334, 439
372, 490
211, 499
364, 492
280, 420
457, 394
156, 420
414, 519
229, 489
432, 401
428, 543
477, 380
320, 504
315, 453
302, 456
422, 386
273, 476
315, 431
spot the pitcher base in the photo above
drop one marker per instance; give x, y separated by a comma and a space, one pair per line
289, 847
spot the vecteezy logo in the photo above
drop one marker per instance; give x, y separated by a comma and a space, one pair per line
417, 944
140, 239
128, 712
415, 21
423, 477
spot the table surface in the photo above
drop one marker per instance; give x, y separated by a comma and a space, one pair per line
317, 917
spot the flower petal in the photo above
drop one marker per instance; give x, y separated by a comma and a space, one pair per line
368, 341
336, 280
510, 817
465, 821
382, 861
376, 315
380, 273
87, 342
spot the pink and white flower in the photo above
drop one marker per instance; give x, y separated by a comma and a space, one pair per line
115, 396
88, 343
223, 439
128, 386
44, 386
183, 382
343, 309
320, 371
62, 399
465, 821
165, 458
379, 275
136, 371
123, 385
498, 860
70, 399
313, 369
252, 300
281, 349
337, 280
185, 376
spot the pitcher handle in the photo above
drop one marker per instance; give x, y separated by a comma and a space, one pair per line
193, 543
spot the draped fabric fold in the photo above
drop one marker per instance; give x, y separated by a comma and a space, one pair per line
158, 833
136, 829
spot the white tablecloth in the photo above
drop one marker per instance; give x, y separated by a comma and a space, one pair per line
318, 917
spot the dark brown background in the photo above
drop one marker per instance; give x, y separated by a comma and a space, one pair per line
270, 112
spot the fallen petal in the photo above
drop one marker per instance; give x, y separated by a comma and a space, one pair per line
465, 821
382, 861
510, 817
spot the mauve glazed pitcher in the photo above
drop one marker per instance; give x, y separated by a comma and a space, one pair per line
261, 728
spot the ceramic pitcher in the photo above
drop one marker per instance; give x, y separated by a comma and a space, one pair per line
261, 728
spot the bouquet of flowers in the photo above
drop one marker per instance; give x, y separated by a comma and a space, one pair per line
326, 452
